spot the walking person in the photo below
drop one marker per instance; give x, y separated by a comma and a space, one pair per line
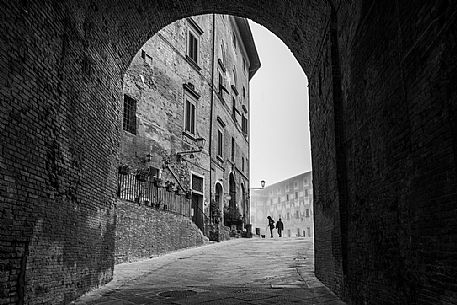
271, 224
280, 227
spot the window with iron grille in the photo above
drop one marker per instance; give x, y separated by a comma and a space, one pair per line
189, 114
197, 183
129, 118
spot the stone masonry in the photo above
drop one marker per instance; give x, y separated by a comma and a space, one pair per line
383, 105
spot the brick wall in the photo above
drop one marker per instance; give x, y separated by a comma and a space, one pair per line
143, 232
384, 161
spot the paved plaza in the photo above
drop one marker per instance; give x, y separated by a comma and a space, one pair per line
240, 271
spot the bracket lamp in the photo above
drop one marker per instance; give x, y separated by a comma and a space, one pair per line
199, 142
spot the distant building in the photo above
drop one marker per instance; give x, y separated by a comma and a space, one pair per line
291, 200
189, 82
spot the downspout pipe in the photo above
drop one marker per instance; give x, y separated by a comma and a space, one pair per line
210, 138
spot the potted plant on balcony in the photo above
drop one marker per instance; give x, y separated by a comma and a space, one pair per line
169, 185
142, 175
124, 169
189, 194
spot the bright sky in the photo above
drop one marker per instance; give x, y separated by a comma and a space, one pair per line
280, 142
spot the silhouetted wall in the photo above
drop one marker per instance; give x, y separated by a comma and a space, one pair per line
383, 130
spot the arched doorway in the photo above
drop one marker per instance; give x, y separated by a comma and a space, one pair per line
232, 191
244, 208
218, 198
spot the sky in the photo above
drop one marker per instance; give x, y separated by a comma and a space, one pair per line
279, 121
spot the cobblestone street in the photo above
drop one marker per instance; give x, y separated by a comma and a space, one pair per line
239, 271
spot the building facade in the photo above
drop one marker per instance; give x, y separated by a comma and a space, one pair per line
186, 118
291, 200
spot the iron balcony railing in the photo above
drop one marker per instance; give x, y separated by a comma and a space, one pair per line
146, 191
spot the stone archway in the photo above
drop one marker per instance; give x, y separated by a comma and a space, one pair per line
382, 108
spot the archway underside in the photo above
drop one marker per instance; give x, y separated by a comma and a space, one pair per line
383, 129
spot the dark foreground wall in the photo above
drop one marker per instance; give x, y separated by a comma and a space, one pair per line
383, 128
384, 141
143, 232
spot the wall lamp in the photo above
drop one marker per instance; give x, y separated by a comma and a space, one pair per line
200, 142
262, 184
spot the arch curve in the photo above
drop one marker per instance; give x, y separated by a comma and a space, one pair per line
136, 25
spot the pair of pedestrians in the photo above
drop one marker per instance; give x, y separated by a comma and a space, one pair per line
279, 226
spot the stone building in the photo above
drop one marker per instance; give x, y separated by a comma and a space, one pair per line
291, 200
186, 118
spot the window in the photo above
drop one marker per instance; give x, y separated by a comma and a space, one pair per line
242, 164
288, 217
192, 47
297, 214
244, 92
129, 118
220, 143
287, 197
306, 193
298, 231
193, 41
221, 84
309, 231
233, 149
244, 124
233, 110
222, 53
189, 114
296, 184
146, 57
307, 212
296, 195
197, 183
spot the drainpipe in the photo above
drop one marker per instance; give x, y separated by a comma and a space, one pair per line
210, 142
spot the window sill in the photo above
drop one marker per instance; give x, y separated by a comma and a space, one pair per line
234, 90
189, 135
193, 63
